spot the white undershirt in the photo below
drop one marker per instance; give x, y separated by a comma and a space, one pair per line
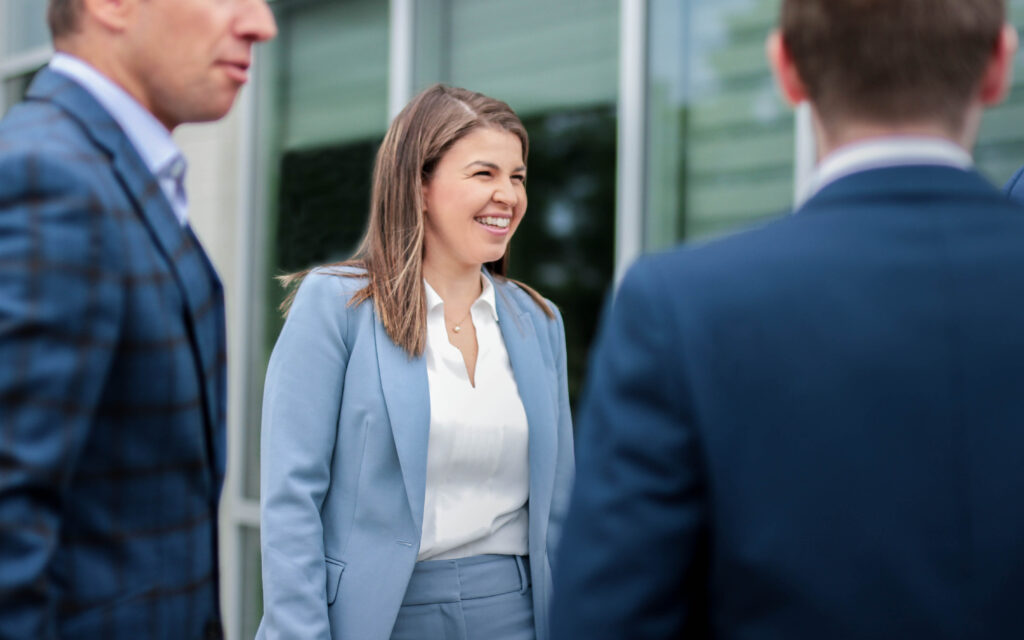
478, 474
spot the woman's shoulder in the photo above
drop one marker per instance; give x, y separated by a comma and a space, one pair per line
334, 279
333, 285
527, 299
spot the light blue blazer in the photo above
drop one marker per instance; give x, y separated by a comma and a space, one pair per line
346, 415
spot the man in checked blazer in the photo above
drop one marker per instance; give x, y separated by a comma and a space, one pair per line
815, 429
112, 347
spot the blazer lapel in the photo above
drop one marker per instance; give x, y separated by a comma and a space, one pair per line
172, 240
407, 397
539, 401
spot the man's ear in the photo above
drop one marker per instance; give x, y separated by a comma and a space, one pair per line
112, 14
784, 69
995, 84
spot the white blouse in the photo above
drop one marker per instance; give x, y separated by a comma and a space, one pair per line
478, 473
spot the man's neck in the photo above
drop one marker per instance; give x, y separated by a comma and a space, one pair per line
846, 133
104, 60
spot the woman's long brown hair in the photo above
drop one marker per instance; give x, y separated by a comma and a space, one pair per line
391, 252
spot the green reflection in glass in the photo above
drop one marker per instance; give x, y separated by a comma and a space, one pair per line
565, 246
1000, 148
252, 582
720, 140
15, 89
24, 25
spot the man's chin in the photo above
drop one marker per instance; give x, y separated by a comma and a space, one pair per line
212, 111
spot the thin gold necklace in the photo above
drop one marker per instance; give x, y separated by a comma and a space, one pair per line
458, 325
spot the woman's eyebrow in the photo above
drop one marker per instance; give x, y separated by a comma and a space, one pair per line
483, 163
491, 165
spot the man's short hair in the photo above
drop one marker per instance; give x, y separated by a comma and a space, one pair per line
62, 16
892, 61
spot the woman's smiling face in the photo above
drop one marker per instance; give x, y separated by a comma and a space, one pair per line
475, 199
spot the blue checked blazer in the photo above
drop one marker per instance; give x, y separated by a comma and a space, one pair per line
112, 387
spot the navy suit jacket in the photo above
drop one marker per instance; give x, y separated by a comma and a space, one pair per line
814, 429
112, 391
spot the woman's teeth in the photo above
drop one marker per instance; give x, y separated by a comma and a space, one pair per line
501, 223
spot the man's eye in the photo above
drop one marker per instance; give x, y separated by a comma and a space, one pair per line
520, 178
482, 173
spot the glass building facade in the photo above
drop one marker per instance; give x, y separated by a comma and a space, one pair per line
651, 122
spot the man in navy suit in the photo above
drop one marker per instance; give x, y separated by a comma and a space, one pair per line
815, 429
112, 349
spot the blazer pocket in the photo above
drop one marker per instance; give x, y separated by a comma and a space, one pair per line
334, 571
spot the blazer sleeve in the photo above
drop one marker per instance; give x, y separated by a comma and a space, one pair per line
60, 308
631, 542
301, 408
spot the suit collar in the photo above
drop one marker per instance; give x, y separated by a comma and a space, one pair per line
136, 176
148, 136
171, 239
888, 151
912, 182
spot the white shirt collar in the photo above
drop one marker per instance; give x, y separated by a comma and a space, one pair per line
887, 151
486, 296
148, 136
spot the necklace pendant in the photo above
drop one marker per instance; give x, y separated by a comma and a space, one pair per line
457, 329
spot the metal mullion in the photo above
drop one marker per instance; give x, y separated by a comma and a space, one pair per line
401, 53
806, 153
632, 135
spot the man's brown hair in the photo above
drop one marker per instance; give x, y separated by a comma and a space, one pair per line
891, 61
62, 16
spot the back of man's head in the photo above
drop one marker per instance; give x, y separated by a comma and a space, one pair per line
62, 16
891, 61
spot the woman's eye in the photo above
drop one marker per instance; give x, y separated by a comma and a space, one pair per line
482, 173
519, 177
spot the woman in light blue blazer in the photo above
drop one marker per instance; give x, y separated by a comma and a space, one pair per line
417, 443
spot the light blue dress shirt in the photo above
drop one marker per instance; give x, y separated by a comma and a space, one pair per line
150, 138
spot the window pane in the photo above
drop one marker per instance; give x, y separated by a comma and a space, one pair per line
24, 25
323, 116
720, 142
556, 64
334, 71
546, 55
1000, 149
14, 90
252, 582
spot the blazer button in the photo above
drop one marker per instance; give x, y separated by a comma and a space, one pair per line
212, 630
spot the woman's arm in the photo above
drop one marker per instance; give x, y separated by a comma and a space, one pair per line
301, 407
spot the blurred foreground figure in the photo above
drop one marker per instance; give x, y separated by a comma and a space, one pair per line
815, 429
112, 346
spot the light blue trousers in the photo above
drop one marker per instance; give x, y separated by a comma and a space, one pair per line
478, 598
